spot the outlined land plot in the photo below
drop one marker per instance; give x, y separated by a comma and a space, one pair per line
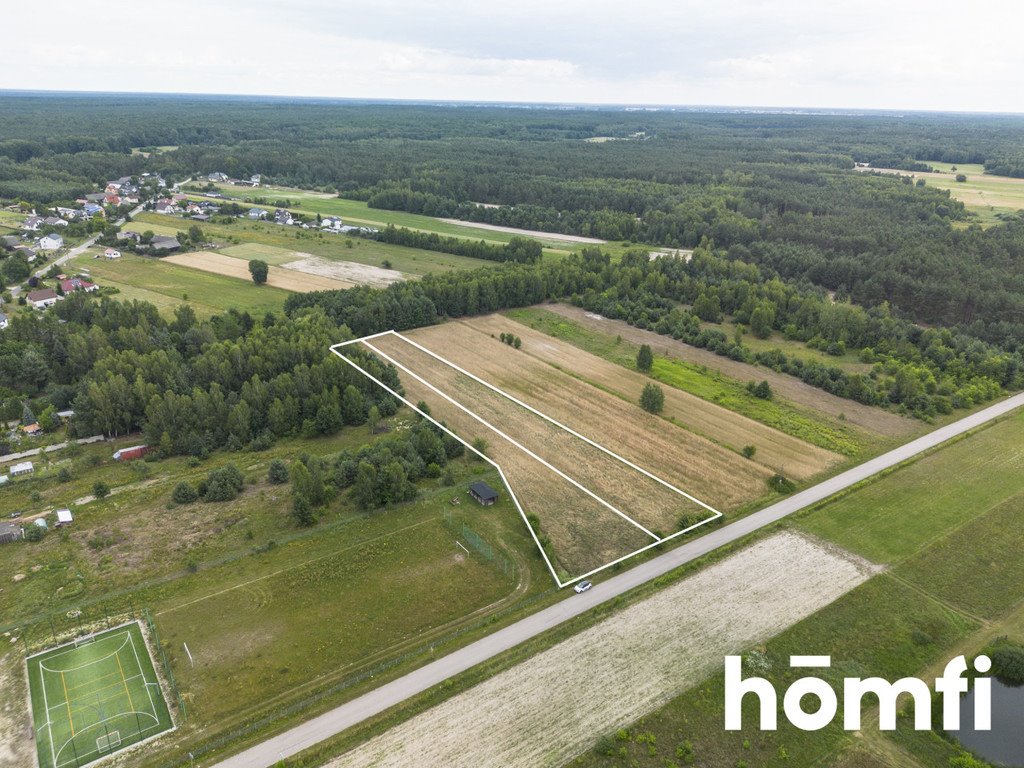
712, 473
593, 507
91, 699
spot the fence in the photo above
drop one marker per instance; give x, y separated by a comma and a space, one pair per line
477, 544
168, 672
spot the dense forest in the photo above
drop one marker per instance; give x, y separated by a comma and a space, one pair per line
788, 238
777, 190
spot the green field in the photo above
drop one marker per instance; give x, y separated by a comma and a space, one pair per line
166, 285
412, 261
987, 196
95, 697
709, 385
890, 520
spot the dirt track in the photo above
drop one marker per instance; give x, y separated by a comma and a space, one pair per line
528, 232
551, 707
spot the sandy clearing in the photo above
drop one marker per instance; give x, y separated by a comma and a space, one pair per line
775, 450
788, 387
553, 706
346, 271
527, 232
289, 280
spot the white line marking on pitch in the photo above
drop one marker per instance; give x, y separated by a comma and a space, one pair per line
363, 340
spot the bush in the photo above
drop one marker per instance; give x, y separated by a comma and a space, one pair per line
652, 399
224, 484
749, 451
64, 475
781, 484
277, 474
761, 390
1008, 663
184, 493
34, 533
100, 489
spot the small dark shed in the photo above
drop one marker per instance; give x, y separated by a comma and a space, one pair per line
483, 493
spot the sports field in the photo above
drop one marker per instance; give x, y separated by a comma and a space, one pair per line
95, 697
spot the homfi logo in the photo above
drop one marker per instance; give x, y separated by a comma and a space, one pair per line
951, 685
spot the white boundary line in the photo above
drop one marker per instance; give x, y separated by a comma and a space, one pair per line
518, 445
49, 724
364, 341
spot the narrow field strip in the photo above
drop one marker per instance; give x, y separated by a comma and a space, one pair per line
549, 708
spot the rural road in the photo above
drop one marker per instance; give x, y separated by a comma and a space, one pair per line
291, 742
80, 249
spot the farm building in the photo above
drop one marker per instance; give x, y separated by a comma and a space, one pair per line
24, 468
483, 493
131, 453
10, 532
64, 517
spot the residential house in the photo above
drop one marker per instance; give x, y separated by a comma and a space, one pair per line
95, 197
217, 177
32, 223
68, 213
166, 207
47, 297
77, 284
4, 322
32, 430
112, 253
28, 253
332, 223
112, 198
129, 235
9, 241
93, 209
283, 217
51, 242
54, 221
257, 213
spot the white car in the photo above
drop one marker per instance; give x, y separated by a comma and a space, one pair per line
582, 587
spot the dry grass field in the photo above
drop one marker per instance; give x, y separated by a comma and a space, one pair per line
775, 450
289, 280
585, 533
551, 707
792, 389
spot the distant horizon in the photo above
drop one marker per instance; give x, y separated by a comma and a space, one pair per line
778, 109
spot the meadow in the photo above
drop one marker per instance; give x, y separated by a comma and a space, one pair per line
708, 384
273, 614
168, 285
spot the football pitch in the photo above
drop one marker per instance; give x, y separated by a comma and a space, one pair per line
94, 697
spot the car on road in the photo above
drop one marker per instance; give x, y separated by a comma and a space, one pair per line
582, 587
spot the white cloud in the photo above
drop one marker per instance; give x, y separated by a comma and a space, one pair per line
860, 53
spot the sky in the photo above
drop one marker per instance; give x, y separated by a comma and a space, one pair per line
852, 54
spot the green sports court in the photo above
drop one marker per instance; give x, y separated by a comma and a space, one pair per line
94, 697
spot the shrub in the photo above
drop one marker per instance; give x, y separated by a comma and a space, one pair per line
224, 484
184, 493
100, 489
1008, 662
64, 475
644, 358
781, 484
277, 474
749, 451
652, 399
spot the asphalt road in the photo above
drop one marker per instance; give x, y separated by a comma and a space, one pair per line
293, 741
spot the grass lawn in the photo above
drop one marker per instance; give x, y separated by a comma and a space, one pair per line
889, 520
166, 285
94, 699
412, 261
697, 380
